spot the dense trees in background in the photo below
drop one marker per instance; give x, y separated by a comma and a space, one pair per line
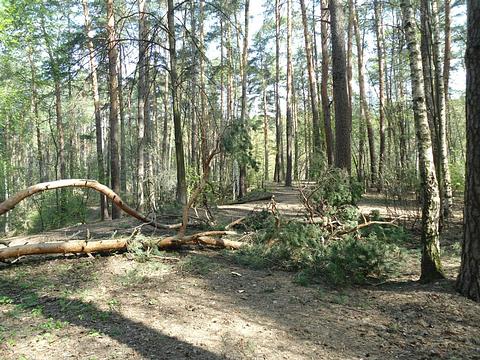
139, 93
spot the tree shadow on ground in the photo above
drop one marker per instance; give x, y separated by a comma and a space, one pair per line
145, 341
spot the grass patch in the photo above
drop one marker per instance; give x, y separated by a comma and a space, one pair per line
199, 265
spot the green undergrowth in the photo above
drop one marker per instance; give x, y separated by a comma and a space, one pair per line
331, 250
309, 251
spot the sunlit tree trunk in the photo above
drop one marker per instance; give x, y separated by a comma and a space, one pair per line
96, 106
364, 109
243, 113
440, 90
141, 93
324, 86
343, 110
431, 267
317, 142
113, 117
181, 193
279, 168
289, 123
468, 281
381, 88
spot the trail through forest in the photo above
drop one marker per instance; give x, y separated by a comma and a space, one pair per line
201, 304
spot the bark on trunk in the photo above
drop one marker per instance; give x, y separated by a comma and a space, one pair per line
343, 110
364, 109
96, 106
279, 169
87, 247
317, 142
468, 281
113, 116
289, 123
431, 268
243, 114
381, 89
177, 121
141, 93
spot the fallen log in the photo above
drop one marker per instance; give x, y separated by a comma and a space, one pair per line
11, 202
89, 246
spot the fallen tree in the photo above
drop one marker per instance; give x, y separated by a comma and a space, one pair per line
11, 202
90, 246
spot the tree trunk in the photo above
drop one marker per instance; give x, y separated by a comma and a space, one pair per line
317, 142
324, 87
343, 110
431, 268
177, 121
468, 281
445, 178
141, 93
364, 110
34, 101
289, 123
381, 88
113, 117
279, 169
96, 106
243, 167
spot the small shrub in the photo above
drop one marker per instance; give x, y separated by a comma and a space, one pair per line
357, 261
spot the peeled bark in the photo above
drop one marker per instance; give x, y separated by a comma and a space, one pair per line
87, 247
11, 202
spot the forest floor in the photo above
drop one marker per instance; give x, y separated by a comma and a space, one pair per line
200, 304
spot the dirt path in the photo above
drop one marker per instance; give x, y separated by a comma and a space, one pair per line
200, 304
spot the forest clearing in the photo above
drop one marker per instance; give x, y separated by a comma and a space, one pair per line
204, 304
237, 179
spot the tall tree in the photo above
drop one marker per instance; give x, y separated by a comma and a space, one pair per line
364, 109
181, 193
142, 94
279, 165
289, 123
96, 106
468, 281
343, 109
324, 86
113, 116
431, 267
317, 143
381, 87
243, 113
440, 102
